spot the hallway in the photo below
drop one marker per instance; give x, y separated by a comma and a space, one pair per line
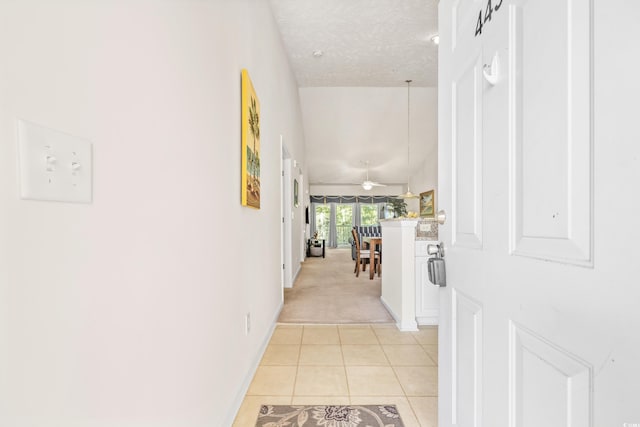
336, 344
348, 364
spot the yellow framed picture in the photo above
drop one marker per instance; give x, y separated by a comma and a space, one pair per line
427, 204
250, 108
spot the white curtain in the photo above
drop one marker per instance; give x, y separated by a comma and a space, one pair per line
312, 218
357, 217
333, 233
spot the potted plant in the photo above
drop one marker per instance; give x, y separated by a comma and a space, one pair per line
399, 207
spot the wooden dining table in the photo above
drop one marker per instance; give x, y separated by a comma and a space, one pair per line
373, 242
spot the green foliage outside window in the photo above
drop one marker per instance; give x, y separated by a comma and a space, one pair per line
344, 214
323, 216
369, 215
344, 221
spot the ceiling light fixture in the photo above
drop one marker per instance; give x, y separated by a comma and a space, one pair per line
408, 194
318, 53
436, 39
368, 184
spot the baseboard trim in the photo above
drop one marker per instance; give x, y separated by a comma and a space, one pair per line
411, 326
391, 312
428, 320
237, 402
295, 276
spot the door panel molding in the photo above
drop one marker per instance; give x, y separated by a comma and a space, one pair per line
550, 143
466, 360
547, 384
466, 162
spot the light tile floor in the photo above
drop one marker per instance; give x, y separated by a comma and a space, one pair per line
348, 364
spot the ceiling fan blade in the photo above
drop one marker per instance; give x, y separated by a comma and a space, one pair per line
368, 185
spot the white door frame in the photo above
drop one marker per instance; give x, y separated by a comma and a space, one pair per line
285, 216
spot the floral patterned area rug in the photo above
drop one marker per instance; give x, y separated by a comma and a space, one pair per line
329, 416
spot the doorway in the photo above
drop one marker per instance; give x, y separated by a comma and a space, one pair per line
285, 215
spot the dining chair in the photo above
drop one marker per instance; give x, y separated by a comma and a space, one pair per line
362, 255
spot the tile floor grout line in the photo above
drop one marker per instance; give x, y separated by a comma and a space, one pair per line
413, 411
295, 378
385, 355
349, 396
344, 367
431, 358
415, 414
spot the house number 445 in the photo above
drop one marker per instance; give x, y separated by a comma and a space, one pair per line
488, 11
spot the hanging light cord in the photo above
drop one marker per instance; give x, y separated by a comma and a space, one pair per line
408, 135
408, 194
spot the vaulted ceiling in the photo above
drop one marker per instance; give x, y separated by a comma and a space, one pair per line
371, 44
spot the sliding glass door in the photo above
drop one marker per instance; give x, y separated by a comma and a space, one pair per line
369, 214
333, 217
340, 226
344, 223
323, 221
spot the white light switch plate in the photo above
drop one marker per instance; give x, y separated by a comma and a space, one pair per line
53, 165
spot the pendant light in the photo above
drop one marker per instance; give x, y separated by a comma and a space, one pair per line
408, 194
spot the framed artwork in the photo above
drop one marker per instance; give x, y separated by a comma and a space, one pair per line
250, 116
296, 202
427, 204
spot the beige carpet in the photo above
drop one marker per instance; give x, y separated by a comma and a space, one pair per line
328, 291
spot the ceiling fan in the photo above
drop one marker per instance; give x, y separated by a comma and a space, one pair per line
368, 184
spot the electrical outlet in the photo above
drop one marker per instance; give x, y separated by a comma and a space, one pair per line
247, 323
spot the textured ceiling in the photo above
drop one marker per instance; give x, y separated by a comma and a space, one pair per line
353, 96
364, 42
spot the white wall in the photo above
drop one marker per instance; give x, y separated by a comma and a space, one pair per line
333, 116
130, 311
425, 178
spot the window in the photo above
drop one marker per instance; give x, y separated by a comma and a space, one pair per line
344, 222
368, 214
323, 218
333, 217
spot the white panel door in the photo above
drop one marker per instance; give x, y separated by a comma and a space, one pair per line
538, 162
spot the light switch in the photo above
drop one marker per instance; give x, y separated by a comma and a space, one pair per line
53, 165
